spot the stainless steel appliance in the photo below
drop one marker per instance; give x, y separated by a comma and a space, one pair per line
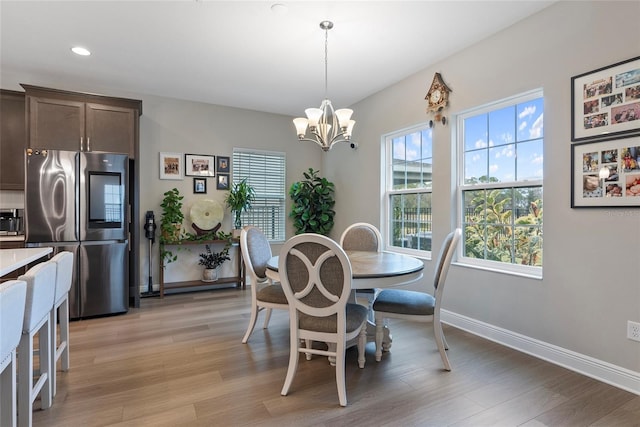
78, 202
11, 222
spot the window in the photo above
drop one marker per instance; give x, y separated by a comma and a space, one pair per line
408, 189
500, 183
265, 172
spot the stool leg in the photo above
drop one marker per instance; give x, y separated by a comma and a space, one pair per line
44, 341
25, 380
64, 333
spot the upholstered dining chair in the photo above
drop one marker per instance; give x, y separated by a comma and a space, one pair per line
316, 278
418, 306
265, 295
362, 236
13, 295
60, 311
41, 288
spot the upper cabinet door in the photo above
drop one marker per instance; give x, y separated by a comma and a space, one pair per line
110, 128
13, 140
56, 124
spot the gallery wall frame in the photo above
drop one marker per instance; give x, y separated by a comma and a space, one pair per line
199, 165
605, 174
223, 181
171, 166
223, 164
200, 185
605, 103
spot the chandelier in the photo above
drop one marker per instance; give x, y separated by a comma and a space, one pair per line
326, 126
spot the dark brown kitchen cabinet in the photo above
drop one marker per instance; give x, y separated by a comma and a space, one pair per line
85, 122
12, 140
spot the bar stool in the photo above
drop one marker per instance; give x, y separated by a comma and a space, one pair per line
64, 275
13, 295
40, 293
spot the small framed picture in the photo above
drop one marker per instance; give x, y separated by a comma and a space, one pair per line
223, 181
223, 165
199, 185
171, 166
199, 165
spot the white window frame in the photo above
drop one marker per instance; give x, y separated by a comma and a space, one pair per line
489, 265
387, 191
274, 186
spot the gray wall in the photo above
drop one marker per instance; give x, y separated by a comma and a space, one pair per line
591, 285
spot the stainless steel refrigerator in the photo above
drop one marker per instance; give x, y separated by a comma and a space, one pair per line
79, 202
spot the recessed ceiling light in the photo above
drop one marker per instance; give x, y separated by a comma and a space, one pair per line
80, 51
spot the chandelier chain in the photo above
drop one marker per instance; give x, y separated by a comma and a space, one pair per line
326, 62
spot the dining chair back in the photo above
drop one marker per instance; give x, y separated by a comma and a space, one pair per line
41, 287
418, 306
265, 295
60, 311
362, 236
13, 295
316, 278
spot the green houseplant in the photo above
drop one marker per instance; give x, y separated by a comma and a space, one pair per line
211, 262
171, 223
239, 199
313, 202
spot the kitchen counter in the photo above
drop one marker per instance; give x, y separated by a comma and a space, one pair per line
12, 259
19, 238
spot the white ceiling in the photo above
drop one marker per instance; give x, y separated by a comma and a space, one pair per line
241, 53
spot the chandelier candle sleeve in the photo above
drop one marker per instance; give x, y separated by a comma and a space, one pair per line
326, 126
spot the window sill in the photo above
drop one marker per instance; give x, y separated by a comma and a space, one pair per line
529, 273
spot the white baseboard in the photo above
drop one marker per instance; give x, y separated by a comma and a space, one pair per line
603, 371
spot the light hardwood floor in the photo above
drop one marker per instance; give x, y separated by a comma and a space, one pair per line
179, 362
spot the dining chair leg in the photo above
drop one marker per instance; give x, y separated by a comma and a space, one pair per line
294, 353
308, 344
340, 376
379, 336
437, 331
267, 317
362, 342
252, 323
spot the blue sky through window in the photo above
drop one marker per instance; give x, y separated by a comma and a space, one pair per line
505, 144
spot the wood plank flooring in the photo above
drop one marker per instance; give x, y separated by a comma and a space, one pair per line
179, 362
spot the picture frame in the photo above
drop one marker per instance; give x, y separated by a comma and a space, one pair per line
199, 165
222, 183
171, 166
199, 185
605, 103
223, 165
605, 174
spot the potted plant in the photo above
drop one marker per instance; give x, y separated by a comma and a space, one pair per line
171, 223
313, 203
211, 262
239, 199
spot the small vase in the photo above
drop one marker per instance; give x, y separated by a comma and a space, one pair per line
210, 275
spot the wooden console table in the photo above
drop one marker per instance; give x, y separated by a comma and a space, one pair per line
239, 279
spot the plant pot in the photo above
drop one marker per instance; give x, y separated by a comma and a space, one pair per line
210, 275
174, 234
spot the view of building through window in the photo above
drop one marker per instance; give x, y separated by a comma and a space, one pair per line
409, 189
501, 181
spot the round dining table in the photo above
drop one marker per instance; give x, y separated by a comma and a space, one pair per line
372, 269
